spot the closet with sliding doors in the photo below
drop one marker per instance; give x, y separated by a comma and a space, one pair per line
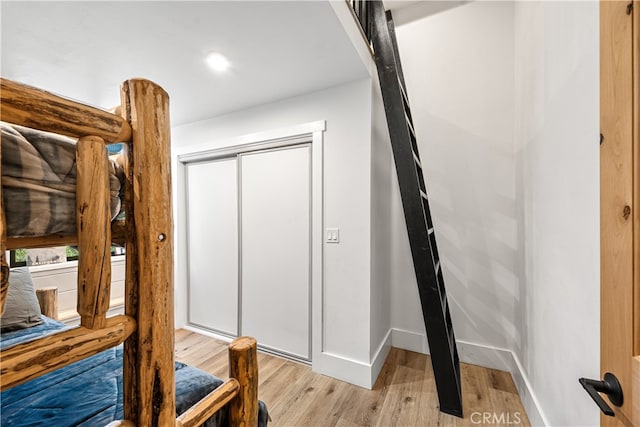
248, 227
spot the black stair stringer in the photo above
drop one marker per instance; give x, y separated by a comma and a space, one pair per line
426, 262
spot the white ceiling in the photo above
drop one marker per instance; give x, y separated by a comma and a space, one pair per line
83, 50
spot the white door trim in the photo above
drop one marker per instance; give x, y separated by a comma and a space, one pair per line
313, 133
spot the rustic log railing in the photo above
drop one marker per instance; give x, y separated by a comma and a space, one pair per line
35, 108
146, 329
209, 405
240, 391
118, 232
24, 362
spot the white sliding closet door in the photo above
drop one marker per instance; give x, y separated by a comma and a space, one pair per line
275, 235
212, 215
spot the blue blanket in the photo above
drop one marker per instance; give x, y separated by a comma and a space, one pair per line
89, 392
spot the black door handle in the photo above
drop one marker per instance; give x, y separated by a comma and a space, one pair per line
609, 386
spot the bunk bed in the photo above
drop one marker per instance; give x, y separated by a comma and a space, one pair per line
134, 351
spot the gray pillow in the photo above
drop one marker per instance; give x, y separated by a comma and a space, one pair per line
21, 309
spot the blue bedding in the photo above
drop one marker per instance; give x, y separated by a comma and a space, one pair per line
89, 392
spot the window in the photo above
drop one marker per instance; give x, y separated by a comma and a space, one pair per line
55, 255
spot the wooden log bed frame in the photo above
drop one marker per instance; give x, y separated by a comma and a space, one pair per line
147, 327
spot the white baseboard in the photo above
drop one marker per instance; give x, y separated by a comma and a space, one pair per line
379, 358
353, 371
527, 396
486, 356
365, 374
206, 333
340, 367
408, 340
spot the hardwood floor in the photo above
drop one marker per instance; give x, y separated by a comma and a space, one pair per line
404, 394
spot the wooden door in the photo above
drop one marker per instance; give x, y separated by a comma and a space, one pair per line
620, 204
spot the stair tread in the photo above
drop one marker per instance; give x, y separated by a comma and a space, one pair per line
404, 94
410, 124
416, 159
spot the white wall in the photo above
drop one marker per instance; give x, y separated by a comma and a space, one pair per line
505, 101
347, 206
458, 66
381, 191
505, 98
557, 133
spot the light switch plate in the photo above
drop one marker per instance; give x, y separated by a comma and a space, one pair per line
333, 235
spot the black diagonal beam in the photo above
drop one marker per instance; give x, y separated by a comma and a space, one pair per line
440, 336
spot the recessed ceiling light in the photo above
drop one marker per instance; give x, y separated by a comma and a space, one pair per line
218, 62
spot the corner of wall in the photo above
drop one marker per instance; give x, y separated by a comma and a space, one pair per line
180, 243
381, 232
350, 370
379, 357
505, 360
485, 356
556, 76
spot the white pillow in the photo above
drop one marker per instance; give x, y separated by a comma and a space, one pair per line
21, 308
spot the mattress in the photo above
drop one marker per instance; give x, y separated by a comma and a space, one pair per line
39, 182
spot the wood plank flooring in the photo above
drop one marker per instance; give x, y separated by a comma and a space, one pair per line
404, 394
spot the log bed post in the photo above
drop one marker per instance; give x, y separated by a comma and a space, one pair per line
93, 217
4, 267
48, 301
149, 376
243, 366
130, 355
